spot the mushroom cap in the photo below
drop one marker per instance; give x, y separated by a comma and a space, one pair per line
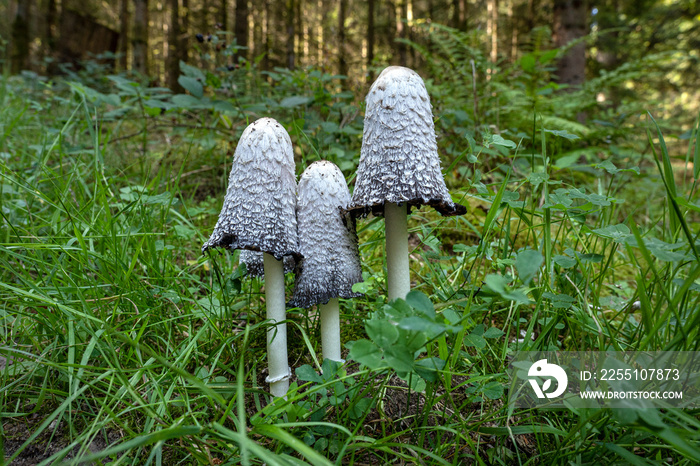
259, 210
327, 238
399, 162
254, 263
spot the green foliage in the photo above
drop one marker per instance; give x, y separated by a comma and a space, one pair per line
398, 335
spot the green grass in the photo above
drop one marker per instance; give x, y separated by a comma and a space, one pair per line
126, 345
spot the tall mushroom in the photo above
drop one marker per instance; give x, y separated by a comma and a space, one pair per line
259, 214
399, 165
328, 242
254, 263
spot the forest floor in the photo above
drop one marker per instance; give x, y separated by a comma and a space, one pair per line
49, 442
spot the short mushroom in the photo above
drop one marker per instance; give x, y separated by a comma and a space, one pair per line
259, 214
399, 165
328, 242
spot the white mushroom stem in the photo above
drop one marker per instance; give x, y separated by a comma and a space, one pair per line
330, 330
278, 365
398, 275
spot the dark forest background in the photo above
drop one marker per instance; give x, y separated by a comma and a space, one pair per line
356, 38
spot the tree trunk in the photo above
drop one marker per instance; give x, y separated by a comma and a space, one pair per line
513, 27
173, 58
569, 25
320, 37
342, 59
459, 14
204, 19
411, 56
139, 43
299, 31
370, 39
265, 36
123, 35
241, 27
290, 34
401, 31
532, 7
51, 16
185, 34
492, 28
19, 56
224, 15
202, 25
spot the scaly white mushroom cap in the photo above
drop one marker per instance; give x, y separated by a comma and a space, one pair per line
327, 238
399, 162
259, 211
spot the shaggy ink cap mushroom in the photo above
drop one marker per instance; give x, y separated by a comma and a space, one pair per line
259, 210
399, 162
259, 214
327, 238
